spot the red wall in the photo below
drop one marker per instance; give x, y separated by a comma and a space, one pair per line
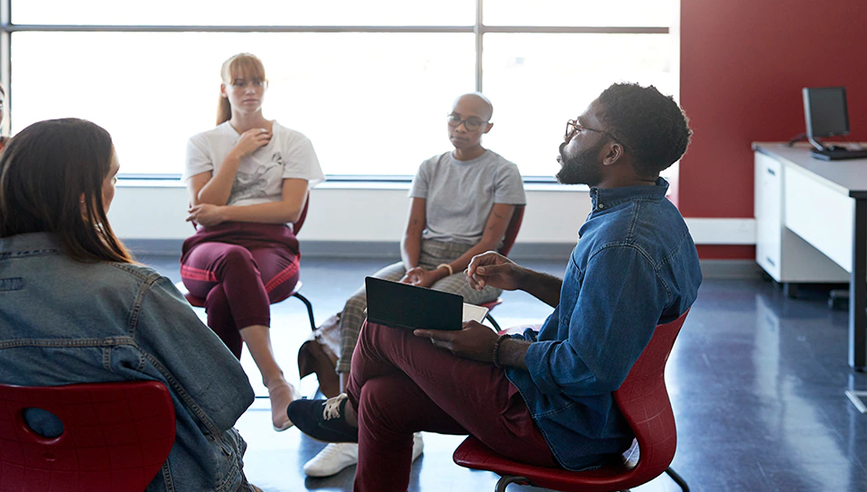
743, 64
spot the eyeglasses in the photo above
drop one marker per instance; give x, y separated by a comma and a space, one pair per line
471, 124
573, 128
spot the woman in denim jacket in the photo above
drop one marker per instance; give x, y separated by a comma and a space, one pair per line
75, 308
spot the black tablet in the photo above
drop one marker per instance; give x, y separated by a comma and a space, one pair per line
407, 306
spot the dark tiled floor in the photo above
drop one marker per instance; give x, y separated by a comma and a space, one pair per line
756, 381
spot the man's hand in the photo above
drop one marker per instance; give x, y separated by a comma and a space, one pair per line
474, 341
496, 270
206, 214
420, 277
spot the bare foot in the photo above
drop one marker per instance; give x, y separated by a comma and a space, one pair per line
281, 394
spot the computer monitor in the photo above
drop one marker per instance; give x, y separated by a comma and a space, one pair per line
825, 112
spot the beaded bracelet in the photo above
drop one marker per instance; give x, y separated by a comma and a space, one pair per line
496, 354
449, 267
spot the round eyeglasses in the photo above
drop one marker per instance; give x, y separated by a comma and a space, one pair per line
471, 124
574, 128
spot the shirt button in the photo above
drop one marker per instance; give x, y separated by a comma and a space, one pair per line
601, 206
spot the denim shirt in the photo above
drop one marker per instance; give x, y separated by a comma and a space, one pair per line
64, 322
635, 266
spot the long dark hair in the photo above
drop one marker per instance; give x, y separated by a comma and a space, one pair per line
51, 178
242, 65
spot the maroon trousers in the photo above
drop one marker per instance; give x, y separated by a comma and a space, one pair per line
400, 384
239, 269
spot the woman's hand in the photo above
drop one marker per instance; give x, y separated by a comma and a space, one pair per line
420, 277
251, 140
206, 214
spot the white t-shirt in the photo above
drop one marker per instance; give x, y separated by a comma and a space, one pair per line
260, 175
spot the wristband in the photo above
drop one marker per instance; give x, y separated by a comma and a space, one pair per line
496, 355
449, 267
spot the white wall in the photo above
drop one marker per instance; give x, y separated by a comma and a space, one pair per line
346, 212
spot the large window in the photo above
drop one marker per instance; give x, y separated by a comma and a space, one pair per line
370, 82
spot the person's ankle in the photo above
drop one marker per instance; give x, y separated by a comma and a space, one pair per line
349, 414
275, 380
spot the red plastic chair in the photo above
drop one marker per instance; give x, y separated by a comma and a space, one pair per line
643, 400
116, 437
296, 228
508, 241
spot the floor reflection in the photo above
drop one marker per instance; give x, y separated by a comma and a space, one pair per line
758, 387
756, 379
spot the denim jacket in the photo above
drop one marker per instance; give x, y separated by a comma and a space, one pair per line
64, 322
635, 266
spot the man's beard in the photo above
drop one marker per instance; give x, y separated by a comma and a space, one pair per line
583, 168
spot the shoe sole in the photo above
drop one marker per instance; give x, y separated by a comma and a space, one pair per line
311, 475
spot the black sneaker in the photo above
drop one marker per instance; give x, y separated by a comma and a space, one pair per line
323, 420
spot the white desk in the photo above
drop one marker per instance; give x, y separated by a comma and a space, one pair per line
824, 203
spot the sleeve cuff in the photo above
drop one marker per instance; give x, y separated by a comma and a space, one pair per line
536, 359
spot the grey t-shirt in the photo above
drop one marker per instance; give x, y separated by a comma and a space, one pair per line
461, 194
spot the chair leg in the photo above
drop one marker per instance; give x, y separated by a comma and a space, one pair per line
677, 479
309, 309
504, 481
493, 321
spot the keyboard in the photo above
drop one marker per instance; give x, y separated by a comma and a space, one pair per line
833, 155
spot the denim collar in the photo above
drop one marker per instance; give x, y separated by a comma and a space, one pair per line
29, 241
604, 198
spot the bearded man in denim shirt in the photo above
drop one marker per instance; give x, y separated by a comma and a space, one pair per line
544, 398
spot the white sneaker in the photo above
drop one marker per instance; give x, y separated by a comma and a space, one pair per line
417, 446
339, 455
333, 458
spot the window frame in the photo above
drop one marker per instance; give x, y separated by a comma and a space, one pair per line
478, 29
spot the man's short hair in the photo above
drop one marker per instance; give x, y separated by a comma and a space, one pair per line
652, 127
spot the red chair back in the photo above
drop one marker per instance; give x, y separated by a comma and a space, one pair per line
643, 401
296, 226
512, 230
116, 437
508, 241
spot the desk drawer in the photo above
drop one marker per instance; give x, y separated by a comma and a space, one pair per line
821, 215
768, 212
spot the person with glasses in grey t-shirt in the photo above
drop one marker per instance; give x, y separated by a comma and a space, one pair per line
462, 202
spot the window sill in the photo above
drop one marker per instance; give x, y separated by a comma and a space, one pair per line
340, 184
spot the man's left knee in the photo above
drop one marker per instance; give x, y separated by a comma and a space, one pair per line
381, 401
